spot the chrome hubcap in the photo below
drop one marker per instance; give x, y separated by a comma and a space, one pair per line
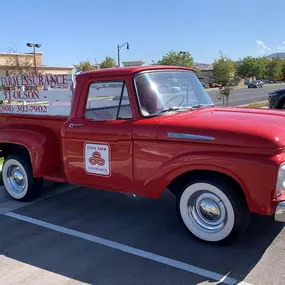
16, 179
207, 211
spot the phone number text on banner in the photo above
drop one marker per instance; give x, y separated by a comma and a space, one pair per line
59, 110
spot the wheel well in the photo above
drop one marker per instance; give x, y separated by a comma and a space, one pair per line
8, 149
182, 180
281, 102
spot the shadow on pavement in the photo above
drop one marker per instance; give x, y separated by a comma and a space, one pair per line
151, 225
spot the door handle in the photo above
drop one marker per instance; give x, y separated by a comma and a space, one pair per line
75, 125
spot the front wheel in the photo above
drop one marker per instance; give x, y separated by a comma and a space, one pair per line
18, 179
212, 211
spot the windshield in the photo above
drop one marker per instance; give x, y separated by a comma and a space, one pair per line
160, 91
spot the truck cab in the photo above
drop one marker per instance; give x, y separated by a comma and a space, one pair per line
146, 130
121, 111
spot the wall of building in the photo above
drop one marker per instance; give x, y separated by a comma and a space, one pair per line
22, 58
27, 59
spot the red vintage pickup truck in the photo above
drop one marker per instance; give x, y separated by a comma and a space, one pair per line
143, 130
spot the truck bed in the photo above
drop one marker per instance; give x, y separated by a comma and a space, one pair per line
49, 125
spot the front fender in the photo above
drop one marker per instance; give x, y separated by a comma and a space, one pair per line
255, 175
37, 144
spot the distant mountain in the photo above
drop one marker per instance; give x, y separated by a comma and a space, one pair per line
203, 66
276, 54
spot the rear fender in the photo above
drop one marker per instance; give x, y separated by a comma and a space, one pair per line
41, 149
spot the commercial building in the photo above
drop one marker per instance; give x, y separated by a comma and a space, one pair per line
132, 63
21, 61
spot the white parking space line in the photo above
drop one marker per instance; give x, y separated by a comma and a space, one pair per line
128, 249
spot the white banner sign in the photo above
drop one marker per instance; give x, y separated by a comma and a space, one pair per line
37, 80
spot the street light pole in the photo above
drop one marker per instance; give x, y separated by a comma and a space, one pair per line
119, 48
118, 55
34, 46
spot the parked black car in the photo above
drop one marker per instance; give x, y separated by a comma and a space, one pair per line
276, 99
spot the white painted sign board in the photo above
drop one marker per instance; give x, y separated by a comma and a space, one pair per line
97, 158
19, 99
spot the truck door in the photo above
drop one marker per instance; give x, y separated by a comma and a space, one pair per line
98, 143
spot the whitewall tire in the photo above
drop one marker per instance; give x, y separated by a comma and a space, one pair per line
212, 211
18, 179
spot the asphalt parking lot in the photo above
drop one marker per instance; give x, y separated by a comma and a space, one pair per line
76, 235
242, 96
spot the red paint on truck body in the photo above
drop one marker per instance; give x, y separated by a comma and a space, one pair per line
249, 144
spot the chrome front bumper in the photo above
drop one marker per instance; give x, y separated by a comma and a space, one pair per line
280, 212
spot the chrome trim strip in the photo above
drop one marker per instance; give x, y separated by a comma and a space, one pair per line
190, 137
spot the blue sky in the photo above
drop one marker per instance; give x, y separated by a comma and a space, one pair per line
72, 31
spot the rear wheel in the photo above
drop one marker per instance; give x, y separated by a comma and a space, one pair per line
212, 211
18, 179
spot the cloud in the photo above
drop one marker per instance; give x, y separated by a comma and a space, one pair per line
261, 44
283, 42
262, 47
280, 48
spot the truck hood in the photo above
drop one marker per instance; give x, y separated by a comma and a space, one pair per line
258, 128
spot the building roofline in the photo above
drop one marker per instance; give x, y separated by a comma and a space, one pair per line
58, 67
42, 67
18, 53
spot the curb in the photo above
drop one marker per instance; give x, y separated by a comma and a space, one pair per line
259, 102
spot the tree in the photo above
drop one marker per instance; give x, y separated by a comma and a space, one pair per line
247, 67
283, 69
224, 72
262, 68
275, 68
177, 59
18, 65
253, 67
224, 93
85, 66
108, 62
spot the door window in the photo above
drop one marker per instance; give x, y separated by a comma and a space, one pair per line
108, 101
